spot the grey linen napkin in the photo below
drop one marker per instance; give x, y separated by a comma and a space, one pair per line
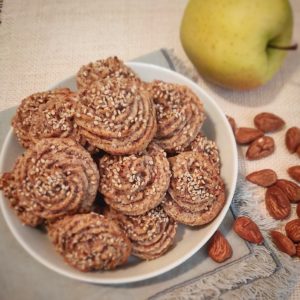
253, 272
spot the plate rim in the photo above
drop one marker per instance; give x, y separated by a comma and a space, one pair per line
82, 276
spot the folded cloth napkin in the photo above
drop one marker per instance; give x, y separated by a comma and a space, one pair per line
253, 271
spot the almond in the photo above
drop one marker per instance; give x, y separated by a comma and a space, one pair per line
268, 122
292, 230
260, 148
232, 123
298, 250
245, 135
277, 203
290, 189
283, 243
294, 172
247, 230
292, 139
298, 210
265, 177
298, 151
219, 248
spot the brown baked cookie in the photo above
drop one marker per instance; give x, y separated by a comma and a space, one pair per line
206, 147
48, 115
180, 115
9, 186
53, 178
54, 119
197, 192
117, 116
137, 183
44, 115
151, 234
90, 242
111, 67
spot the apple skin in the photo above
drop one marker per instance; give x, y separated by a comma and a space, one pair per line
227, 40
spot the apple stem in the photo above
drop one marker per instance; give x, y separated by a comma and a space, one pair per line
286, 48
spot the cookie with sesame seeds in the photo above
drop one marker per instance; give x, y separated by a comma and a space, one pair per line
111, 67
90, 242
151, 234
8, 185
117, 116
179, 113
197, 192
135, 183
54, 178
45, 114
207, 147
54, 119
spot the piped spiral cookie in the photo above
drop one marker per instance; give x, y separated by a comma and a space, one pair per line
196, 192
90, 242
54, 178
136, 183
9, 186
180, 115
151, 234
111, 67
116, 116
206, 147
44, 115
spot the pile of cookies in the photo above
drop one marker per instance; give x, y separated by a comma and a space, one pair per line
137, 145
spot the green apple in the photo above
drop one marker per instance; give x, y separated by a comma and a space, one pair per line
238, 44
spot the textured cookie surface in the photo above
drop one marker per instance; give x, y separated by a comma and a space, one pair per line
90, 242
151, 234
180, 115
196, 192
43, 115
206, 147
136, 183
117, 116
111, 67
53, 178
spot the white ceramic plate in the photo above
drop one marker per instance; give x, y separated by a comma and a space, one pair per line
189, 240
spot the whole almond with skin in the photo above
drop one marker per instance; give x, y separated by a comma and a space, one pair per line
277, 203
260, 148
292, 229
290, 189
294, 172
268, 122
219, 248
247, 230
283, 243
298, 151
245, 135
265, 177
292, 139
232, 123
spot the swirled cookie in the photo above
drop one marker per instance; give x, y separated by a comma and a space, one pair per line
9, 186
136, 183
90, 242
151, 234
53, 178
44, 115
206, 147
196, 192
180, 115
111, 67
117, 116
